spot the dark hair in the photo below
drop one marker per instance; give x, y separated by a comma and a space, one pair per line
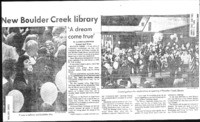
15, 40
18, 40
14, 29
42, 51
20, 63
8, 67
47, 35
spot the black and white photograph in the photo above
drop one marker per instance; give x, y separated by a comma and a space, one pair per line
34, 68
149, 51
100, 60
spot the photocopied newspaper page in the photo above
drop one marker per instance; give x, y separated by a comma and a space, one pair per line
100, 60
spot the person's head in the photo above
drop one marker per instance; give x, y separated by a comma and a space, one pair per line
47, 35
191, 50
4, 31
174, 37
42, 52
61, 52
8, 68
23, 63
61, 39
57, 31
50, 28
60, 55
157, 37
197, 46
63, 36
141, 56
50, 46
188, 45
31, 47
15, 40
14, 30
31, 37
41, 69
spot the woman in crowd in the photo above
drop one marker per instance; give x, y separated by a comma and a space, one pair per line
22, 81
8, 75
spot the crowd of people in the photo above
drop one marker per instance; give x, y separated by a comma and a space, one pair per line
172, 54
31, 57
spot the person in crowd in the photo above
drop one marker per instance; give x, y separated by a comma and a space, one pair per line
130, 60
62, 39
30, 37
153, 63
4, 31
136, 59
47, 35
16, 39
124, 70
51, 50
42, 52
104, 75
185, 59
8, 52
50, 47
8, 76
115, 73
39, 32
143, 67
41, 68
57, 31
22, 81
60, 58
31, 50
9, 71
178, 63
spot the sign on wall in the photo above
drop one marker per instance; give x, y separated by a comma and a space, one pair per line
193, 25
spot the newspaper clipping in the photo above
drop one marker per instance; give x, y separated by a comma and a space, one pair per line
100, 60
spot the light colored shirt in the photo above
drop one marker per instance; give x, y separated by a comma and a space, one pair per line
186, 58
32, 59
9, 52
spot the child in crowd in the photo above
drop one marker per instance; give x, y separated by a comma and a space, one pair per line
31, 50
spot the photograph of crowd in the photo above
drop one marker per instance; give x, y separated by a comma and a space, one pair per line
34, 68
149, 51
